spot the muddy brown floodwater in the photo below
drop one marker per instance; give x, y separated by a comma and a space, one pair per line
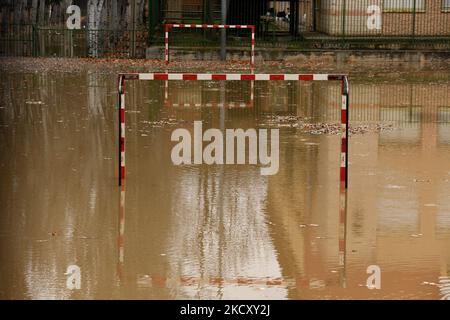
202, 232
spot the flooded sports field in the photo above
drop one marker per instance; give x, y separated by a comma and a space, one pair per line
223, 231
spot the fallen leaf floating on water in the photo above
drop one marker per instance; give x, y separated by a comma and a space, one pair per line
429, 283
34, 102
392, 186
321, 128
430, 205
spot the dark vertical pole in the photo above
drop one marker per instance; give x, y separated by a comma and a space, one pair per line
205, 11
33, 39
297, 16
314, 17
344, 6
223, 32
150, 21
413, 32
293, 17
292, 14
133, 34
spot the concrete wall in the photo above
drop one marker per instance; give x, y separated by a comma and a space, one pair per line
336, 59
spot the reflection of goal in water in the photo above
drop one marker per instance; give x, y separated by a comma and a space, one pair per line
210, 26
186, 102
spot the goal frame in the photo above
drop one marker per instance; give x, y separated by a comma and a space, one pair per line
345, 105
209, 26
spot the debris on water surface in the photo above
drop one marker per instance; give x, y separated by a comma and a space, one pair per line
418, 235
430, 205
336, 128
311, 144
163, 122
316, 284
393, 186
429, 283
281, 121
34, 102
113, 63
321, 128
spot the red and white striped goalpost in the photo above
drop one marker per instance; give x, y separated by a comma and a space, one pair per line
211, 26
239, 77
342, 234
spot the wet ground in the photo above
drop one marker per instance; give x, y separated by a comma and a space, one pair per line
222, 232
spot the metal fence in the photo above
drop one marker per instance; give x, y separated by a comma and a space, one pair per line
16, 40
28, 40
317, 23
329, 24
39, 27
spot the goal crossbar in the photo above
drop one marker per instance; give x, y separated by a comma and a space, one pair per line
210, 26
123, 77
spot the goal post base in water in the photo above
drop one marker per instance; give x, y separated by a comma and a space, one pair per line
123, 77
210, 26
